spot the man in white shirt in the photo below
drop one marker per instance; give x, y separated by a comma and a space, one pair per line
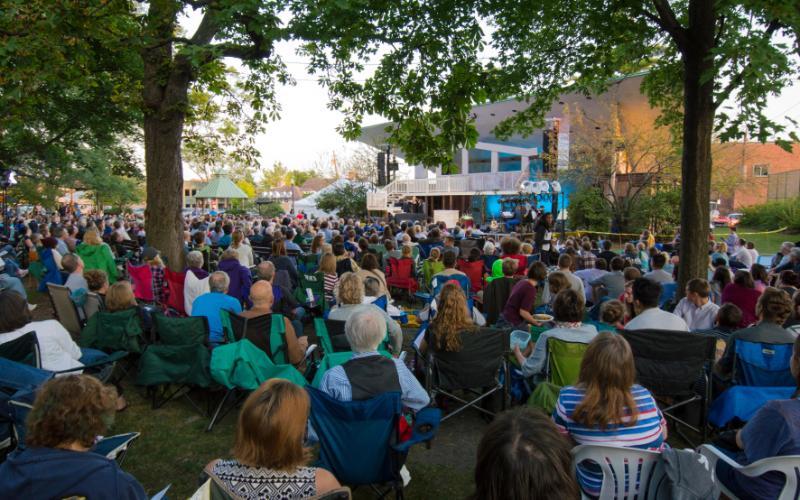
696, 308
646, 293
743, 256
751, 247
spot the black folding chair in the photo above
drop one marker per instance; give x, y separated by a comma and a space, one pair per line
674, 366
479, 369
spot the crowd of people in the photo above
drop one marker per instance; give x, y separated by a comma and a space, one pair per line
579, 290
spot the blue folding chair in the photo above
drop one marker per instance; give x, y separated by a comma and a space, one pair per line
761, 373
359, 440
425, 248
18, 385
667, 293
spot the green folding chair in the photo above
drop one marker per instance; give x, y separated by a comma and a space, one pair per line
563, 367
314, 282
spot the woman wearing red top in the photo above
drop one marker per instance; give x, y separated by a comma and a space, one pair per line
743, 294
511, 247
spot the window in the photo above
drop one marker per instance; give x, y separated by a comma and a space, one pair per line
194, 192
185, 192
761, 170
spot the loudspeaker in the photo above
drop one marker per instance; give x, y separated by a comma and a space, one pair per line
550, 148
381, 169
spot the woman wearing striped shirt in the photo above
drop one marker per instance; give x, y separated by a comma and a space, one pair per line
607, 408
327, 266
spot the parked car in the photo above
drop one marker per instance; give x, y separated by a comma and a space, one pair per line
729, 220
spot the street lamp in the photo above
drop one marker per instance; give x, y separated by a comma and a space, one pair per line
8, 178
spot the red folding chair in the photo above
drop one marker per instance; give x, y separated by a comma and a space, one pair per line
402, 275
175, 283
142, 281
474, 271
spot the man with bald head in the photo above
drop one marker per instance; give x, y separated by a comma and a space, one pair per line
262, 298
283, 299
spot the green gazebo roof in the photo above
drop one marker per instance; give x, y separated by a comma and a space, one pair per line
221, 187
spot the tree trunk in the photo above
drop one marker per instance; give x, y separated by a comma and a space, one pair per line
164, 92
698, 125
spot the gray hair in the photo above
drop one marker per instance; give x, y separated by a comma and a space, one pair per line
219, 281
194, 259
796, 252
788, 245
230, 254
372, 287
365, 329
488, 248
266, 270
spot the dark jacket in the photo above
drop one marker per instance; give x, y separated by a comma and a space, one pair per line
495, 297
54, 473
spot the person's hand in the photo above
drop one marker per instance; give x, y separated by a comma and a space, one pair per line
517, 352
537, 323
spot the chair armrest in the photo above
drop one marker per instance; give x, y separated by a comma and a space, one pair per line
426, 425
111, 358
713, 454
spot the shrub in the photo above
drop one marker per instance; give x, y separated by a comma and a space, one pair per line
589, 210
773, 215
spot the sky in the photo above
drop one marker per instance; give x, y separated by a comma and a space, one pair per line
305, 135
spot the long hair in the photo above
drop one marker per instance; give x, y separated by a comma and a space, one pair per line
271, 427
278, 247
92, 237
452, 318
327, 264
522, 455
607, 375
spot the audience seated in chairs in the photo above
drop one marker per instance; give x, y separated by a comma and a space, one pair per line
212, 303
327, 266
58, 350
606, 406
97, 255
696, 308
773, 309
152, 258
646, 294
452, 320
368, 373
568, 310
67, 417
97, 281
283, 299
523, 455
344, 264
73, 265
773, 431
449, 262
370, 269
269, 459
349, 301
283, 262
498, 291
743, 294
296, 342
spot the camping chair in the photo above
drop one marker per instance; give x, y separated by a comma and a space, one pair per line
18, 385
267, 332
333, 359
360, 442
425, 248
175, 297
671, 364
64, 307
332, 338
179, 358
402, 275
760, 373
114, 331
93, 304
241, 367
316, 283
474, 271
621, 467
479, 368
563, 367
495, 296
308, 263
789, 466
142, 281
133, 251
668, 291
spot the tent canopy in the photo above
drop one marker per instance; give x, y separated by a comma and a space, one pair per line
221, 187
309, 203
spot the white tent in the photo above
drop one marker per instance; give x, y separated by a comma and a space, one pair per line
309, 203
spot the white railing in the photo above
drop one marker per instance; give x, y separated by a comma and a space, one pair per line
378, 200
451, 184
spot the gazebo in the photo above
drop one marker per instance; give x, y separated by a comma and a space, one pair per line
220, 189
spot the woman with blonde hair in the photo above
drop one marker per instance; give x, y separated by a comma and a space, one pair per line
453, 318
152, 257
120, 297
327, 266
606, 406
269, 459
243, 250
97, 255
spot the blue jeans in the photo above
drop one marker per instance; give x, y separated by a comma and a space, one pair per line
297, 322
89, 356
8, 282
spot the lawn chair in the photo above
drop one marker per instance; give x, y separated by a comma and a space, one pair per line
332, 338
240, 367
360, 442
336, 359
760, 373
425, 248
114, 331
175, 297
495, 296
179, 358
64, 307
267, 332
401, 275
474, 271
18, 384
142, 281
314, 282
94, 304
789, 466
668, 291
479, 368
563, 367
670, 364
620, 468
308, 263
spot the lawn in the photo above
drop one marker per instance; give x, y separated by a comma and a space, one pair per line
766, 244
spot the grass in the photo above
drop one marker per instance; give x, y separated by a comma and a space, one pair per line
766, 244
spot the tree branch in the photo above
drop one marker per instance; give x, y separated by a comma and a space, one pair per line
772, 27
667, 20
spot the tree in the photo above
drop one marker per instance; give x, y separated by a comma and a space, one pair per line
345, 200
274, 177
627, 158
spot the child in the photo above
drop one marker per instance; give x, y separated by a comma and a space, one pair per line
432, 265
612, 316
327, 266
152, 258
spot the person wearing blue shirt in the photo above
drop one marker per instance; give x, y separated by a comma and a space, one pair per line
212, 303
58, 462
368, 373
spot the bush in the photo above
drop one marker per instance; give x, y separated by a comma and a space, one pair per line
773, 215
589, 210
271, 209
